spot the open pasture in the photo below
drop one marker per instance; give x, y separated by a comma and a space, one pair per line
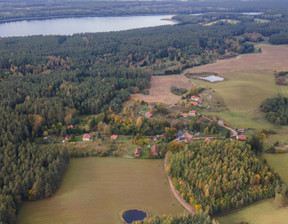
272, 58
160, 90
96, 190
263, 212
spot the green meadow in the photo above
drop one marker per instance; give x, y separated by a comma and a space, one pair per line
96, 190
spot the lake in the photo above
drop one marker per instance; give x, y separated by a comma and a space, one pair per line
69, 26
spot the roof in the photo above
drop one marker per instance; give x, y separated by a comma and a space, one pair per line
194, 103
154, 150
183, 114
192, 112
114, 137
86, 136
149, 114
207, 139
195, 98
189, 140
241, 137
180, 133
137, 152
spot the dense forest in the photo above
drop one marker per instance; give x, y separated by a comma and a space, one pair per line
221, 175
276, 110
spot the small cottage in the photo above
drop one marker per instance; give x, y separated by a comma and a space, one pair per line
114, 137
155, 150
137, 152
86, 137
241, 137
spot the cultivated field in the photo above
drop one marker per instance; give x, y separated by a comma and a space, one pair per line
272, 58
96, 190
160, 89
263, 212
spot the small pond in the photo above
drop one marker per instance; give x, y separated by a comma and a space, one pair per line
211, 78
133, 215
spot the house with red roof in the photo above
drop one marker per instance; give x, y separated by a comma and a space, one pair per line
114, 137
86, 137
241, 137
194, 103
183, 115
148, 115
192, 113
137, 152
155, 150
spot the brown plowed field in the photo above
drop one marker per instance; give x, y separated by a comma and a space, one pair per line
272, 58
160, 89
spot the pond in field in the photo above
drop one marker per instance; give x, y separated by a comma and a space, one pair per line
69, 26
211, 78
133, 215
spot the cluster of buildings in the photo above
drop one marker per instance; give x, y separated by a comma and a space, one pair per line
154, 150
191, 113
196, 101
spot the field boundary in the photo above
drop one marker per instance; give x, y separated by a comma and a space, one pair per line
185, 205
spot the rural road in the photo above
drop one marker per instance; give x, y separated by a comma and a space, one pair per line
187, 206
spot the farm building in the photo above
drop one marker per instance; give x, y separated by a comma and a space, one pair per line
148, 115
241, 130
241, 137
114, 137
183, 115
195, 98
86, 137
137, 152
194, 103
155, 150
192, 113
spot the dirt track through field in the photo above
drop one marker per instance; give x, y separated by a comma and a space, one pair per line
160, 89
272, 58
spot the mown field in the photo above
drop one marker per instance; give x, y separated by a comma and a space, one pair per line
263, 212
96, 190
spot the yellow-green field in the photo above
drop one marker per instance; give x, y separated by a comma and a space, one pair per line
279, 162
263, 212
261, 20
231, 21
96, 190
243, 93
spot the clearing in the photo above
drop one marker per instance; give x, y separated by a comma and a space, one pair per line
160, 90
263, 212
96, 190
273, 58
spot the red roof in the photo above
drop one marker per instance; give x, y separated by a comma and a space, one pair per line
183, 114
154, 150
207, 139
114, 137
137, 152
194, 103
148, 114
86, 137
67, 136
241, 137
200, 101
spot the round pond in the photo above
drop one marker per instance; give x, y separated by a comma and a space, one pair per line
133, 215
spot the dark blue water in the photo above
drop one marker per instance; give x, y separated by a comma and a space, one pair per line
134, 215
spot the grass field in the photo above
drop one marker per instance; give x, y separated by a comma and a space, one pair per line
231, 21
96, 190
242, 93
263, 212
279, 162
